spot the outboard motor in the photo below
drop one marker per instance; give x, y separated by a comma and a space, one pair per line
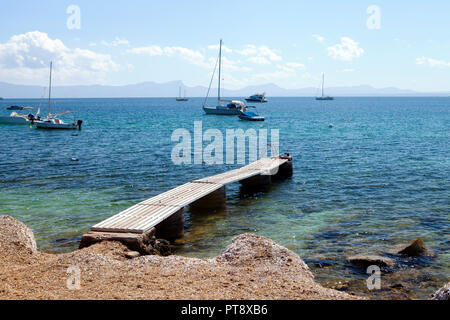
79, 122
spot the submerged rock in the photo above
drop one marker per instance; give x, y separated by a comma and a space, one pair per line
364, 261
443, 293
414, 249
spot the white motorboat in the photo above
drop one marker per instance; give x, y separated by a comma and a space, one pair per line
19, 118
257, 97
223, 107
15, 118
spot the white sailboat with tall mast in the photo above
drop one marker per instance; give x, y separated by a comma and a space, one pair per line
323, 96
52, 121
223, 107
180, 98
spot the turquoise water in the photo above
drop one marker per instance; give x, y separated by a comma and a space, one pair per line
379, 177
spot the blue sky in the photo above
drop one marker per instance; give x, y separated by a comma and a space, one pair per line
288, 43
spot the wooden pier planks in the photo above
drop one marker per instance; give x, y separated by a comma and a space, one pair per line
149, 213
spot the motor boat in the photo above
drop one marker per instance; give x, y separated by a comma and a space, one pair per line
257, 97
247, 115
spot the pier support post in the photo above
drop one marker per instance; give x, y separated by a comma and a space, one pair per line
286, 170
256, 182
172, 228
213, 201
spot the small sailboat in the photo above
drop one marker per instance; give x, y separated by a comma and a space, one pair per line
257, 97
180, 98
223, 107
250, 115
52, 121
323, 97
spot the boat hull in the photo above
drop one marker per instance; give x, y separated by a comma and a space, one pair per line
324, 98
59, 126
14, 120
220, 110
182, 99
255, 118
256, 100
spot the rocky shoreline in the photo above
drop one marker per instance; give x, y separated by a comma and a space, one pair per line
251, 267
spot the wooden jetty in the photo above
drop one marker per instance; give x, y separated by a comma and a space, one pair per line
163, 215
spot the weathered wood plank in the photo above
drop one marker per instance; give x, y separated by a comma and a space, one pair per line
149, 213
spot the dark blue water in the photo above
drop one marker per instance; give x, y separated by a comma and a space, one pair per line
379, 177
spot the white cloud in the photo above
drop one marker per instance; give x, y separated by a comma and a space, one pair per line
432, 62
27, 57
150, 50
261, 54
319, 37
347, 50
259, 60
116, 42
192, 56
216, 47
295, 65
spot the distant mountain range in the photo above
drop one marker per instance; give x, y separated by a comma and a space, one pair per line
170, 89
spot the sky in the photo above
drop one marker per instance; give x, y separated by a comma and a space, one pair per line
402, 43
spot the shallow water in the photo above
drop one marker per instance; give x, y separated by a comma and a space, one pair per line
379, 177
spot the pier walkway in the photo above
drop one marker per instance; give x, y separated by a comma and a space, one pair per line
151, 213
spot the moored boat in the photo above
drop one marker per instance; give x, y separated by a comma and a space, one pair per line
247, 115
55, 123
323, 96
180, 98
19, 118
257, 97
223, 107
52, 121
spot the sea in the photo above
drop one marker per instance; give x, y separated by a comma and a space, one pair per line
370, 173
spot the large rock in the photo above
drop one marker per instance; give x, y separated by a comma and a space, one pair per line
443, 293
364, 261
15, 236
414, 249
248, 250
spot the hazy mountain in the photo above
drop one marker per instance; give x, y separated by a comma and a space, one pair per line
170, 89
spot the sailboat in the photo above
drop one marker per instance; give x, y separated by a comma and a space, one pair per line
182, 98
223, 107
52, 121
323, 97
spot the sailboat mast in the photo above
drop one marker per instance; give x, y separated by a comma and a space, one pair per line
220, 65
50, 88
323, 81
